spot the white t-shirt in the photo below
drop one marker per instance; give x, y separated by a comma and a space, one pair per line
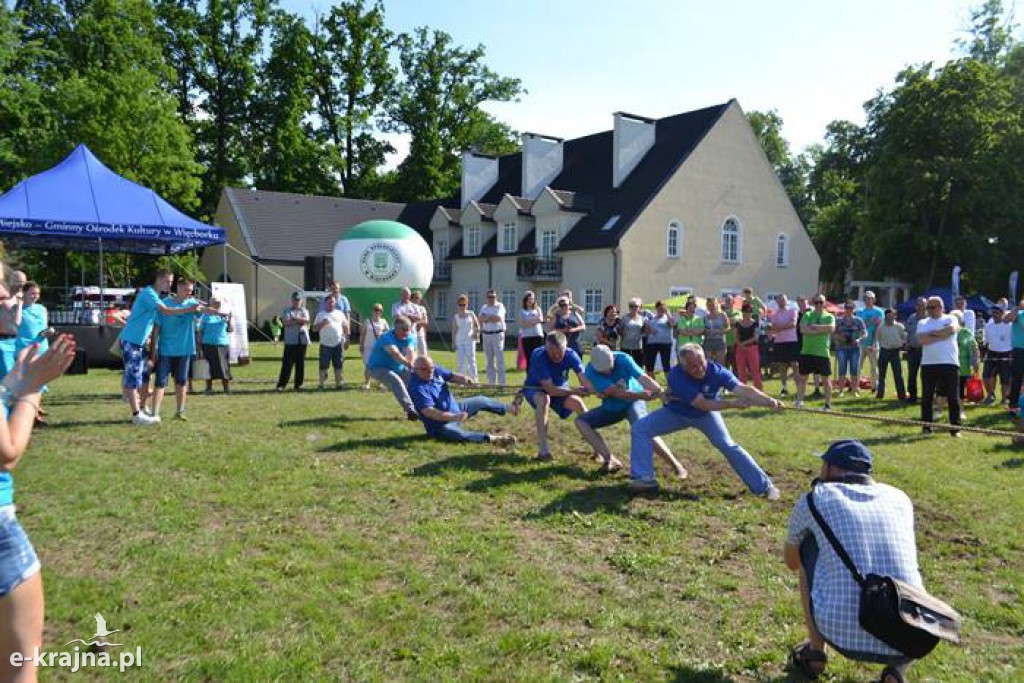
333, 333
998, 336
464, 329
531, 322
970, 320
495, 309
407, 309
944, 351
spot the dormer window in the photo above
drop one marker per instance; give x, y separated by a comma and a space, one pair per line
471, 241
509, 237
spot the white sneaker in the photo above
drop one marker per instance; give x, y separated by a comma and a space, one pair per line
798, 404
772, 493
144, 420
155, 419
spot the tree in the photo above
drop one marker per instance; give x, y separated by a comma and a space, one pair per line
990, 34
790, 169
353, 78
438, 103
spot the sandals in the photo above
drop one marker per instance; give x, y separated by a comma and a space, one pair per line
891, 674
808, 661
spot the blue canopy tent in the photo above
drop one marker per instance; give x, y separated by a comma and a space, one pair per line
979, 303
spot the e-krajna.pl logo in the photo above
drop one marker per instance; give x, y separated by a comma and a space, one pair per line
77, 659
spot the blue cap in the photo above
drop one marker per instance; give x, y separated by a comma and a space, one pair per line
849, 455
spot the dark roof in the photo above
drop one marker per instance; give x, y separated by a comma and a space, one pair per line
490, 249
510, 178
453, 215
486, 210
522, 204
284, 226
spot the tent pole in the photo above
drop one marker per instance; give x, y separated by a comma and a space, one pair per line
102, 316
224, 272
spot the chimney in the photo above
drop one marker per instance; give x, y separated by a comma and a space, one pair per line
633, 136
542, 162
479, 174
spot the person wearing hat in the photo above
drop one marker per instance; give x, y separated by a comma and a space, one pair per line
624, 390
693, 400
295, 319
874, 523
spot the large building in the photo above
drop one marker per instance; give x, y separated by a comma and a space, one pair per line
651, 208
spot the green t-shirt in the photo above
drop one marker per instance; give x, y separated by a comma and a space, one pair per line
968, 348
734, 315
694, 323
817, 344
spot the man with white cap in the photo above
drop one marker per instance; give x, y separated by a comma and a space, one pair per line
624, 389
874, 523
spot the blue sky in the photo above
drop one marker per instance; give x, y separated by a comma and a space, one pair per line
582, 60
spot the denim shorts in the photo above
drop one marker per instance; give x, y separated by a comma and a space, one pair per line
18, 561
600, 416
557, 403
168, 365
136, 365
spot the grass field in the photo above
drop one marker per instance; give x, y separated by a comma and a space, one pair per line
320, 536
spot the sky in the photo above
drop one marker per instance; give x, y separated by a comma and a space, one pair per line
813, 61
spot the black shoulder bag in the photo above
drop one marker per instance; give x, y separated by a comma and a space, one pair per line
902, 616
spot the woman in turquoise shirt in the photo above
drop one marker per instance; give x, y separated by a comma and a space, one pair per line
34, 320
174, 344
214, 329
21, 586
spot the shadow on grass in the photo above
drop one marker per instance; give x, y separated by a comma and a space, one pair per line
609, 498
331, 420
500, 478
75, 399
364, 444
1011, 464
73, 424
473, 461
687, 674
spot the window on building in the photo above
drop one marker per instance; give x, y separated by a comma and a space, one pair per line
471, 243
548, 242
508, 299
679, 290
441, 253
675, 240
547, 299
781, 251
441, 304
593, 303
474, 300
732, 248
509, 238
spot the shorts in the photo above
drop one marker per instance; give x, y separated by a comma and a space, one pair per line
176, 365
136, 365
332, 356
601, 417
998, 364
785, 352
815, 365
18, 561
557, 403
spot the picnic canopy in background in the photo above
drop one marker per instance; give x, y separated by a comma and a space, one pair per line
82, 205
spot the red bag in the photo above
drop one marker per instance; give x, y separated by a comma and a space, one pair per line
521, 357
975, 390
865, 383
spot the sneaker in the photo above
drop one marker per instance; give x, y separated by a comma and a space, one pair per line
798, 403
936, 414
989, 400
543, 457
144, 420
963, 417
366, 387
503, 439
643, 486
926, 430
783, 392
411, 415
955, 435
155, 418
279, 389
817, 394
827, 407
208, 392
181, 416
772, 493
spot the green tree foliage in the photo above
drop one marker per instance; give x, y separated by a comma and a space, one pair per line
438, 103
791, 169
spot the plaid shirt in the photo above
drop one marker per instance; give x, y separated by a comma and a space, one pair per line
875, 524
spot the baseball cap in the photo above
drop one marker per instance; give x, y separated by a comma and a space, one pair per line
296, 294
850, 455
601, 358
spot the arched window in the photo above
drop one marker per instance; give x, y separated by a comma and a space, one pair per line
781, 250
674, 240
732, 241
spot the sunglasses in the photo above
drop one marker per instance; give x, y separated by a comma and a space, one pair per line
634, 306
819, 303
931, 307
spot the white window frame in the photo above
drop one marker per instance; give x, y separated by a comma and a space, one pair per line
546, 298
737, 235
542, 252
674, 240
508, 299
471, 241
593, 304
782, 250
473, 299
509, 241
441, 304
441, 255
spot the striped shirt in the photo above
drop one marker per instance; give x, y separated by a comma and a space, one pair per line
875, 524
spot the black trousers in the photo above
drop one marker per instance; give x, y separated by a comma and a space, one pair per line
944, 379
294, 356
1016, 376
531, 344
886, 358
913, 365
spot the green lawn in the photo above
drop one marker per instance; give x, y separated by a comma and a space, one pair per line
313, 535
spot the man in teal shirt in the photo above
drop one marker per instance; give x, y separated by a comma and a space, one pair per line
1016, 319
873, 318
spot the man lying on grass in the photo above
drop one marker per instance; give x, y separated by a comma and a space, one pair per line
624, 390
441, 414
693, 401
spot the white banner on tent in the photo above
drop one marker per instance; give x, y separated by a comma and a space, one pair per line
232, 296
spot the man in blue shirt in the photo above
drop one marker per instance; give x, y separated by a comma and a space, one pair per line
136, 334
174, 344
547, 386
390, 361
624, 389
441, 414
693, 401
873, 318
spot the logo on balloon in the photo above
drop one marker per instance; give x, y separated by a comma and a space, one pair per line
380, 262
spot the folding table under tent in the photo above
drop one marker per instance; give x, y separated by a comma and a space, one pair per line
82, 205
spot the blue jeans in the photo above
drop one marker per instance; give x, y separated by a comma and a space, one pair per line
665, 421
332, 355
849, 362
600, 416
453, 431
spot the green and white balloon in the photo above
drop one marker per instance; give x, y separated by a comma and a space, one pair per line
376, 259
